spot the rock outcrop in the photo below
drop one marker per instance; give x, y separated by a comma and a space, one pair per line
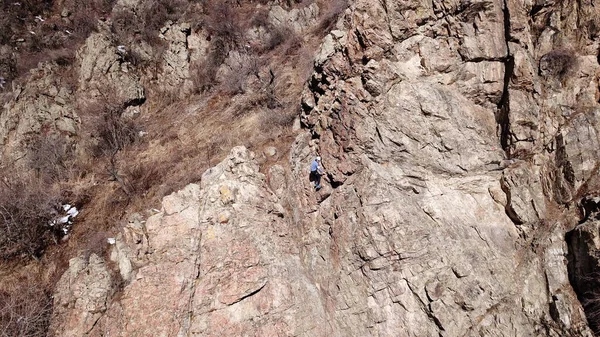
457, 137
218, 258
41, 106
105, 75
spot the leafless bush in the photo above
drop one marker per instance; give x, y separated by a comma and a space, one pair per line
16, 15
278, 35
124, 25
33, 40
110, 134
156, 13
204, 73
25, 311
26, 207
331, 13
85, 14
260, 18
274, 119
113, 131
48, 155
224, 23
145, 24
235, 79
5, 30
557, 63
62, 57
141, 178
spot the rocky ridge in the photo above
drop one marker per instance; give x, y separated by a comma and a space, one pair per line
459, 140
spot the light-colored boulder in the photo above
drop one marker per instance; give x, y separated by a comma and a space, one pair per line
81, 297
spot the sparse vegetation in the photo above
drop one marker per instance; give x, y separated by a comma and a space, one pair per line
32, 32
110, 170
26, 207
53, 161
557, 63
25, 310
331, 13
111, 133
144, 25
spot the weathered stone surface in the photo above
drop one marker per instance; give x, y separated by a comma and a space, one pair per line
218, 258
176, 58
297, 19
526, 203
422, 147
453, 167
81, 297
101, 73
46, 102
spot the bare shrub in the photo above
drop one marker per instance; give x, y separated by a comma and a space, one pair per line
85, 14
260, 18
235, 80
48, 156
114, 132
274, 119
33, 40
204, 73
156, 13
63, 57
26, 207
293, 43
224, 23
145, 24
6, 32
330, 15
110, 134
557, 63
142, 178
124, 25
25, 310
16, 15
278, 35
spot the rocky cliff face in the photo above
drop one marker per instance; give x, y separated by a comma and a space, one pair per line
459, 140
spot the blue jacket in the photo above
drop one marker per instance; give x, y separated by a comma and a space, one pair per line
314, 166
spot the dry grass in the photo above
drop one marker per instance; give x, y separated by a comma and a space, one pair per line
121, 175
27, 204
25, 309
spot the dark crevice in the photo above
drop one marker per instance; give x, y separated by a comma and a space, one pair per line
361, 39
486, 59
502, 117
589, 208
334, 183
535, 9
583, 270
249, 295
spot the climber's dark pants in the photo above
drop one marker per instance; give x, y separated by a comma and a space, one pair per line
316, 178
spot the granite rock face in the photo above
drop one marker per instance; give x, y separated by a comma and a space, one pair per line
458, 138
219, 257
43, 105
105, 75
82, 296
446, 149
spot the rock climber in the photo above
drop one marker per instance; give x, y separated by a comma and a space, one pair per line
316, 172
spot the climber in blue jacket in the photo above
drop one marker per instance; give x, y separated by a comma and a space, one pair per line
316, 172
